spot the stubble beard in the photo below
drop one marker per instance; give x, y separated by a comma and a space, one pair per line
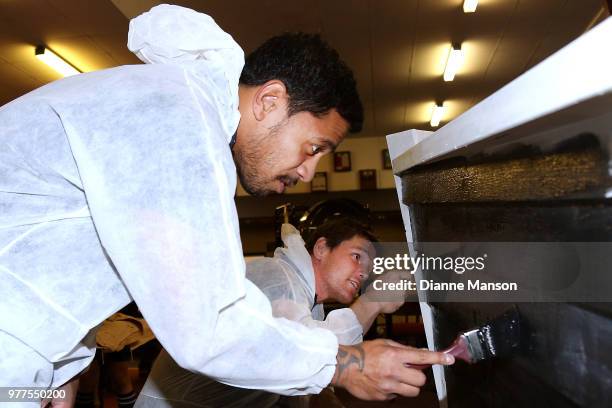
254, 158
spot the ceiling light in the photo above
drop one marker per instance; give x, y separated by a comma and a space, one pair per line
469, 6
436, 114
56, 62
454, 61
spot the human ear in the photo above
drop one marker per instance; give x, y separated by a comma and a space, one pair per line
269, 98
320, 248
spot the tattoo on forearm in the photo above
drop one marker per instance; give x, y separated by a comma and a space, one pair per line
354, 355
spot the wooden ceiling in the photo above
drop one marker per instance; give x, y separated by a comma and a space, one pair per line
397, 48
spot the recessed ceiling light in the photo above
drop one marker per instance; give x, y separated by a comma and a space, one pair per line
469, 6
453, 62
436, 114
56, 62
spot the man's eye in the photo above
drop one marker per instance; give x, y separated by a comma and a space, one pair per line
356, 257
316, 149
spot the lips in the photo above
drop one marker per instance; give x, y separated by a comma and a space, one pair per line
288, 180
354, 284
285, 182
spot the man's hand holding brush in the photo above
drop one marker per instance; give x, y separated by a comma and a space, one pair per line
380, 369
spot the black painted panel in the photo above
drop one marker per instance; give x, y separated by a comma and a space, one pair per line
566, 360
566, 357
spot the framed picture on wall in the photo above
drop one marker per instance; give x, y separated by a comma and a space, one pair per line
386, 160
367, 179
342, 161
319, 182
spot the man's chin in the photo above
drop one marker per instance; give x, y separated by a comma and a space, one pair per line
261, 191
257, 187
346, 299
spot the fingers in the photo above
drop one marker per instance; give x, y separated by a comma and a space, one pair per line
395, 344
422, 357
411, 355
411, 376
390, 390
406, 390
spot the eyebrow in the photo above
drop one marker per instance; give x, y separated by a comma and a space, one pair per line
362, 249
328, 144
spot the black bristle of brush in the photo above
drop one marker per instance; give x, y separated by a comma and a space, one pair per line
501, 336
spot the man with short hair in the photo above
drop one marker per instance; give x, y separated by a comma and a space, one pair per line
298, 280
118, 185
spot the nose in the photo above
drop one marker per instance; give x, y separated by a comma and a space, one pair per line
306, 170
361, 273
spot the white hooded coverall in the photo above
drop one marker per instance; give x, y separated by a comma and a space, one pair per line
288, 281
118, 185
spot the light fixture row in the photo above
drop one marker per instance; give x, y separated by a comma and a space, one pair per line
453, 63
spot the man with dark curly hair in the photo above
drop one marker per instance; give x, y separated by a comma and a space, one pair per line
118, 185
297, 101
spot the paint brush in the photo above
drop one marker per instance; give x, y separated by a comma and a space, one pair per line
497, 338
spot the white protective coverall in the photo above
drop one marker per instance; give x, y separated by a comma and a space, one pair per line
288, 281
118, 185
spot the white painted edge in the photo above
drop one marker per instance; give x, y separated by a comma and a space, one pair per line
399, 143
